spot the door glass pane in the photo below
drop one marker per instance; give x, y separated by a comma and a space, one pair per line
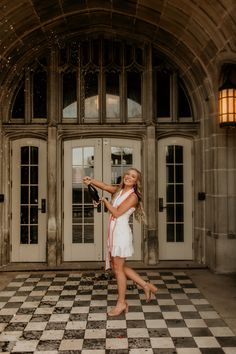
82, 206
25, 155
174, 193
121, 161
33, 234
24, 195
29, 195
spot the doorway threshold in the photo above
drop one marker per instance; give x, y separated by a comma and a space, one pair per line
96, 266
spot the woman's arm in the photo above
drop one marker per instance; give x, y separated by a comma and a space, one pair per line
130, 202
99, 184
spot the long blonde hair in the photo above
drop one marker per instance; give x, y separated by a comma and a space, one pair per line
139, 213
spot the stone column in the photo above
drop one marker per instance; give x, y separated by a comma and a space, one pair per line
52, 159
52, 197
151, 232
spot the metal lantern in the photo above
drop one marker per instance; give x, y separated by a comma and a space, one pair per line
227, 105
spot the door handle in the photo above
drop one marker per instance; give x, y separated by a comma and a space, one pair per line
161, 205
43, 206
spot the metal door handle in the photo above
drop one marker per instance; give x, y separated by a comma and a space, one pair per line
161, 205
43, 206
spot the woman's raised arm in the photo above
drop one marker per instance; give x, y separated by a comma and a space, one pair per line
99, 184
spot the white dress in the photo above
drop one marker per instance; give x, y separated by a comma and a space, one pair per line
120, 238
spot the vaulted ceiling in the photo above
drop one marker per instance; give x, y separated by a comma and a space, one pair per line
196, 33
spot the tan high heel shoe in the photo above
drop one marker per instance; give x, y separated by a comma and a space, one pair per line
116, 311
149, 289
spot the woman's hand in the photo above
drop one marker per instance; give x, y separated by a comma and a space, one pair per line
87, 180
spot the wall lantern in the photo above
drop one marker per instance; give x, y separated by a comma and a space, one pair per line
227, 103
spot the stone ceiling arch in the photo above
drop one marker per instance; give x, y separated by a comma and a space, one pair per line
191, 33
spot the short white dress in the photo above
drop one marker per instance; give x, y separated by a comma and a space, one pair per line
120, 237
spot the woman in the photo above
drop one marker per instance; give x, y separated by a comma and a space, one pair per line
127, 199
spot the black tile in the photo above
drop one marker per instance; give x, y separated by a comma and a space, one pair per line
165, 351
40, 318
31, 335
216, 322
153, 315
16, 326
116, 333
96, 324
200, 332
190, 315
184, 342
94, 343
55, 325
175, 323
74, 334
158, 332
136, 324
78, 317
139, 343
227, 341
98, 309
212, 351
45, 345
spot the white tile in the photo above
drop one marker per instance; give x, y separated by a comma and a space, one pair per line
172, 315
134, 302
64, 303
191, 291
195, 323
162, 342
21, 318
27, 288
24, 275
155, 308
69, 292
97, 316
121, 343
30, 304
44, 311
137, 333
38, 293
165, 302
3, 326
2, 304
87, 351
51, 298
206, 342
186, 308
84, 297
71, 344
116, 324
229, 350
98, 303
17, 298
156, 324
135, 316
209, 314
52, 334
60, 279
173, 286
188, 351
221, 332
25, 346
179, 296
199, 301
81, 309
10, 336
7, 293
179, 332
8, 311
35, 326
63, 317
95, 333
76, 325
43, 352
55, 288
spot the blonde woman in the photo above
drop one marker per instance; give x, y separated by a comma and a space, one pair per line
127, 199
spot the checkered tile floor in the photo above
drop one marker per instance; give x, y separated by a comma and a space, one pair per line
67, 313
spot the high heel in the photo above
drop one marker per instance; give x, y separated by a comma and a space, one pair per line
149, 289
116, 311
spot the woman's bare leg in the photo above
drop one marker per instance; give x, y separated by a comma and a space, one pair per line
118, 268
147, 287
133, 275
